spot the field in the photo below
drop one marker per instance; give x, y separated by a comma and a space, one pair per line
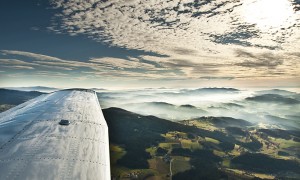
177, 153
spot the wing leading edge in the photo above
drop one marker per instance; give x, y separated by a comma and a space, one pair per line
34, 145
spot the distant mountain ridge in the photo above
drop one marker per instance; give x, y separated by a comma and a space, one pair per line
276, 98
224, 121
188, 106
277, 91
44, 89
211, 90
14, 97
165, 110
235, 105
34, 88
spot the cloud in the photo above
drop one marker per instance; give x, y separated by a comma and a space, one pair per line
122, 63
55, 67
52, 74
297, 54
168, 27
46, 61
203, 34
20, 63
263, 63
93, 63
184, 51
242, 36
120, 75
29, 54
268, 60
15, 62
149, 25
191, 69
18, 67
152, 67
216, 78
196, 40
105, 66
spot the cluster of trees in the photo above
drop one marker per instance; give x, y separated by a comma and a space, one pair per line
204, 165
263, 163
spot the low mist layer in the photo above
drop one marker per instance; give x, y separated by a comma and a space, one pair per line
264, 108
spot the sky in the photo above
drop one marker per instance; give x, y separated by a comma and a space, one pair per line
121, 44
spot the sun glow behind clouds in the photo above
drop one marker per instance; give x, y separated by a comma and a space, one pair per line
269, 14
178, 43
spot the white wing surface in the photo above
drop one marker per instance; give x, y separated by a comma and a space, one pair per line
34, 145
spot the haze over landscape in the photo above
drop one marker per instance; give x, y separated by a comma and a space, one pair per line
215, 133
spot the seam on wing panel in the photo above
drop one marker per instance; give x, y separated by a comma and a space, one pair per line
73, 137
16, 171
73, 152
53, 158
16, 136
63, 172
75, 121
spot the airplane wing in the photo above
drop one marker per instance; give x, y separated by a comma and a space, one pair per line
62, 135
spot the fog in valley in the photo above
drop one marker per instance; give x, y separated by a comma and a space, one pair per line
272, 108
